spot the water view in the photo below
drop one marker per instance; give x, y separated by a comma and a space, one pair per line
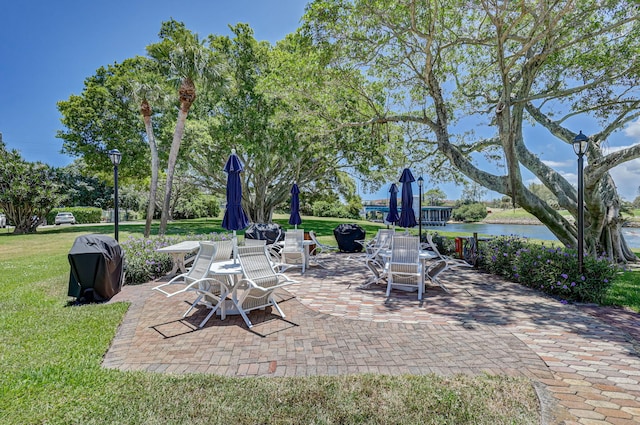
533, 231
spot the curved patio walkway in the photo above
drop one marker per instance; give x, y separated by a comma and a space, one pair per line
584, 360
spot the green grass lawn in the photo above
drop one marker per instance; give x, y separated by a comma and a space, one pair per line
625, 291
51, 353
516, 214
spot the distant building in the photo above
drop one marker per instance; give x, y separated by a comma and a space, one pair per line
431, 215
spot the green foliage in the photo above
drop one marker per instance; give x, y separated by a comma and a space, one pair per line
196, 207
28, 191
143, 263
81, 188
83, 215
435, 197
335, 209
548, 269
103, 117
469, 212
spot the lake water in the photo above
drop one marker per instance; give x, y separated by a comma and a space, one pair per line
533, 231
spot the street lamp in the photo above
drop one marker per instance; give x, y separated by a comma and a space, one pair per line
115, 156
580, 144
420, 182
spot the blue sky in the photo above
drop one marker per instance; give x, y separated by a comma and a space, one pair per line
48, 48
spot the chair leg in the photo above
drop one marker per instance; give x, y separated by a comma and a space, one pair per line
442, 286
275, 304
192, 306
211, 313
389, 287
246, 319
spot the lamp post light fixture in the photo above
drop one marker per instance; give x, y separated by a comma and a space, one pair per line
420, 182
580, 145
115, 156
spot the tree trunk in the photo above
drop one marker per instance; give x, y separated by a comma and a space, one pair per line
146, 111
187, 94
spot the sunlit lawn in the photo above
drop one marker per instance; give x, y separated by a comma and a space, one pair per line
50, 356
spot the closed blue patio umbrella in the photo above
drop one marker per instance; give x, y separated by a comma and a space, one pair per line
407, 216
294, 218
234, 216
393, 217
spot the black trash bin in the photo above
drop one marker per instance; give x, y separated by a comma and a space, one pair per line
270, 232
346, 235
97, 268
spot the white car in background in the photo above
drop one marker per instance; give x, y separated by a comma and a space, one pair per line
3, 220
65, 218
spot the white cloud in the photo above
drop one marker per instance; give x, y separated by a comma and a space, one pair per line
627, 175
627, 179
633, 129
558, 164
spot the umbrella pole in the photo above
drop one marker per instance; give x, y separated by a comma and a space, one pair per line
235, 247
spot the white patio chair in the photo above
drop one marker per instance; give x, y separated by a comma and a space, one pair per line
435, 270
292, 253
374, 255
255, 242
274, 249
224, 250
404, 268
256, 288
210, 292
319, 249
451, 262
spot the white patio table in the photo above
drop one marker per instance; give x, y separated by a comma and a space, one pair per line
178, 252
229, 270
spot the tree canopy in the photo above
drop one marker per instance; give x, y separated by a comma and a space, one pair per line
464, 78
28, 190
277, 109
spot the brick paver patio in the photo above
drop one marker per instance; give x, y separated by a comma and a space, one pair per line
583, 360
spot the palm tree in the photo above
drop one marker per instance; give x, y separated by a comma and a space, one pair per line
145, 86
185, 60
146, 112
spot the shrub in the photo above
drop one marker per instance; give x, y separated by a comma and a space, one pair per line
469, 212
327, 209
143, 263
552, 270
196, 207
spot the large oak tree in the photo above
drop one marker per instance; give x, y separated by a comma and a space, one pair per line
465, 78
264, 115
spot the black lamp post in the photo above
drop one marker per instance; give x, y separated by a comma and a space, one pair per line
115, 156
420, 182
580, 144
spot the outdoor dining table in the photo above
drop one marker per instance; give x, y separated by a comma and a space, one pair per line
178, 252
423, 256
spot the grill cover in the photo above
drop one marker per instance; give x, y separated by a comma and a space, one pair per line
346, 235
97, 268
264, 231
